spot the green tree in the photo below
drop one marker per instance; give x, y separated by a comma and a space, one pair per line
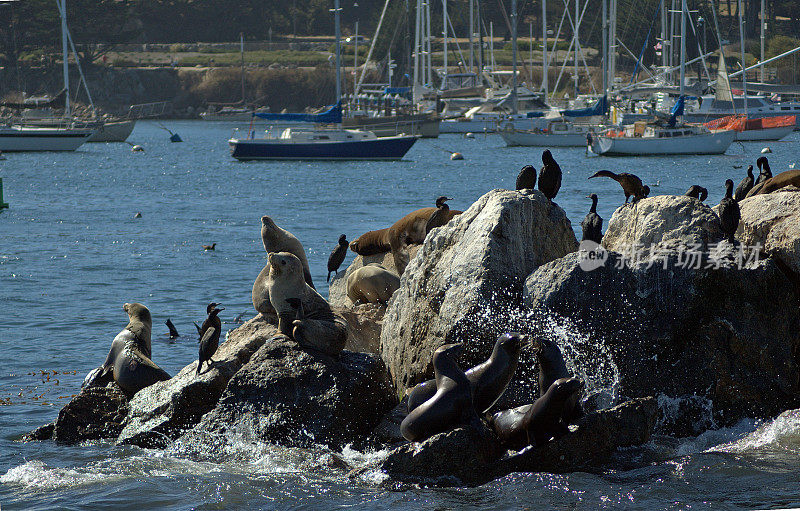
98, 25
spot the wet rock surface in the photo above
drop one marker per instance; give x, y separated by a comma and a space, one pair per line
773, 222
95, 413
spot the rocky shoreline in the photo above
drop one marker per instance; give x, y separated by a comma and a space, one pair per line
667, 348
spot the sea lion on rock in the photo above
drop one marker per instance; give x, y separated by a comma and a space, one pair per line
549, 176
411, 230
745, 185
537, 423
260, 293
209, 335
319, 328
551, 363
450, 406
371, 243
276, 239
336, 258
440, 216
631, 184
128, 361
372, 284
488, 380
729, 213
784, 179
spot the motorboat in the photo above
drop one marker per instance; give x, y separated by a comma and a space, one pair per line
560, 133
759, 129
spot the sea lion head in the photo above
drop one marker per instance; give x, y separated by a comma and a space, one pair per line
138, 312
140, 323
566, 387
510, 342
354, 246
284, 264
450, 350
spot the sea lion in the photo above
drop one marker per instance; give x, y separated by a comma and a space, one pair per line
549, 176
697, 192
336, 258
788, 178
488, 380
450, 406
319, 328
411, 230
551, 363
729, 213
276, 239
526, 179
209, 335
371, 243
440, 216
372, 284
537, 423
128, 361
631, 184
260, 293
745, 185
592, 224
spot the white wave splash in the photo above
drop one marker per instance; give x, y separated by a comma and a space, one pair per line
782, 433
37, 475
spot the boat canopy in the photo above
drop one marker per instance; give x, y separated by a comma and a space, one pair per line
677, 110
332, 115
599, 108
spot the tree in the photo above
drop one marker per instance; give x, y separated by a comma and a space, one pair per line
98, 25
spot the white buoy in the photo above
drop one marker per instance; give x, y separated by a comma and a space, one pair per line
456, 156
138, 214
469, 135
766, 150
137, 148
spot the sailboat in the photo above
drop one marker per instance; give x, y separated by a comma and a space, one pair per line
319, 142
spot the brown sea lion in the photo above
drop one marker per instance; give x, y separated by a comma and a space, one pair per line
260, 293
488, 380
372, 284
371, 243
128, 361
450, 406
788, 178
410, 230
319, 328
537, 423
276, 239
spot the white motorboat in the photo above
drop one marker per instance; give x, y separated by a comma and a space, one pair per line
640, 139
29, 138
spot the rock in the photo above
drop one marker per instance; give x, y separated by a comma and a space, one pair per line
465, 282
726, 334
364, 323
163, 411
337, 291
454, 458
588, 448
665, 221
388, 430
291, 397
95, 413
41, 433
773, 221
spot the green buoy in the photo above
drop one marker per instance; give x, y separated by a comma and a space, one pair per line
2, 204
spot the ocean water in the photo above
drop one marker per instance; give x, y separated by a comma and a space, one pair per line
71, 253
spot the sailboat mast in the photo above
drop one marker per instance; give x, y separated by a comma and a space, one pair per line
444, 33
683, 44
65, 56
575, 44
514, 56
763, 27
604, 37
545, 84
471, 31
241, 52
337, 25
741, 42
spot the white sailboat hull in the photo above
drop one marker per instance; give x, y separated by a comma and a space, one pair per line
764, 134
113, 131
42, 139
704, 143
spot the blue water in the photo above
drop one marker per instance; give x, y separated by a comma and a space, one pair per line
71, 253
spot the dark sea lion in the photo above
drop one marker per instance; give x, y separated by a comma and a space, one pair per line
319, 328
209, 335
745, 185
173, 332
488, 379
549, 176
411, 230
537, 423
698, 192
450, 406
129, 358
788, 178
372, 284
440, 216
631, 184
592, 224
276, 239
526, 179
336, 258
371, 243
551, 363
729, 213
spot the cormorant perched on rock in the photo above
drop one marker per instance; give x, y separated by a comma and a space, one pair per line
209, 335
766, 172
336, 258
527, 178
631, 184
440, 216
173, 332
592, 224
729, 214
745, 186
549, 176
698, 192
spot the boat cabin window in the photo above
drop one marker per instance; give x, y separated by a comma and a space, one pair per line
323, 137
786, 108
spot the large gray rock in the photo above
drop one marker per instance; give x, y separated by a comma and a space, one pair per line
292, 397
163, 411
95, 413
364, 323
773, 221
466, 281
725, 334
664, 221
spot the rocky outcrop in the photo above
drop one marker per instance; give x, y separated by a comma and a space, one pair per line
292, 397
773, 221
95, 413
465, 456
466, 280
726, 334
163, 411
665, 221
364, 323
